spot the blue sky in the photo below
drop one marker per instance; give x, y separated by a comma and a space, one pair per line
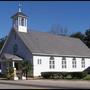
74, 15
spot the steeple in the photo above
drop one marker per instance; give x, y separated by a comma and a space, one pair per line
20, 21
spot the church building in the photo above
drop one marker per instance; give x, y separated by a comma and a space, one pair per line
45, 51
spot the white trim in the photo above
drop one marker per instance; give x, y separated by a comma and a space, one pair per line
17, 59
59, 55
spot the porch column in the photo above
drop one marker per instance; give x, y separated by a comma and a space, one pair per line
15, 76
13, 64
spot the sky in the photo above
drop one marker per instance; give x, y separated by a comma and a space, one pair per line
42, 15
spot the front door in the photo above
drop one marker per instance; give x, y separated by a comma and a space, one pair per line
18, 70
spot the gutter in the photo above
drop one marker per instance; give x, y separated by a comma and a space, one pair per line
58, 55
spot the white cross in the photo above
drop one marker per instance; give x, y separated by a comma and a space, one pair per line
20, 7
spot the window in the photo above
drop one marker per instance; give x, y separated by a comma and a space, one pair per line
22, 22
63, 62
39, 61
15, 48
83, 63
74, 62
51, 63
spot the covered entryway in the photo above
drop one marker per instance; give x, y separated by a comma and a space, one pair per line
12, 61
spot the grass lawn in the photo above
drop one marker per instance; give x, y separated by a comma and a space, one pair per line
87, 77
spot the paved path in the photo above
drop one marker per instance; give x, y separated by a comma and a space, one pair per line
49, 84
7, 86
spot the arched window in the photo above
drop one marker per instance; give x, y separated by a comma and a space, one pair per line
63, 62
51, 63
22, 21
83, 62
74, 62
15, 48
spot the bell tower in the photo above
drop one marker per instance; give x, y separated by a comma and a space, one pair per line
19, 21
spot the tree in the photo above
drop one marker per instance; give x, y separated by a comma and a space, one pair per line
26, 67
78, 35
87, 38
84, 37
57, 30
10, 73
2, 40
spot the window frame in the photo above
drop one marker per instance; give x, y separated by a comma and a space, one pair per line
64, 62
83, 63
22, 21
74, 62
51, 63
39, 61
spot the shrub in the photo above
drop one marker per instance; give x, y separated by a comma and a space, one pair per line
78, 75
10, 73
68, 76
84, 74
87, 77
60, 76
2, 75
63, 75
54, 75
46, 75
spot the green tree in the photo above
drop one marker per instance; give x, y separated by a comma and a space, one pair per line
87, 38
2, 40
78, 35
27, 68
10, 73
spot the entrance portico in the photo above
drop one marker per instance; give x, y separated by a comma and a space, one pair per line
12, 61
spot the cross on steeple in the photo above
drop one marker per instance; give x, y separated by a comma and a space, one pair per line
19, 7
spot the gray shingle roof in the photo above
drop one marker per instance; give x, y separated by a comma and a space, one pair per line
8, 56
46, 43
19, 14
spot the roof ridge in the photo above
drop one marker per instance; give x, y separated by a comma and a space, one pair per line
53, 34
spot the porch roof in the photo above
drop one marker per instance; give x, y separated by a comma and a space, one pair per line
7, 56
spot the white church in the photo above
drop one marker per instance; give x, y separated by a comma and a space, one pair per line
46, 52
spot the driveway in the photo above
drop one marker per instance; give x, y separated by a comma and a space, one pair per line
49, 84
